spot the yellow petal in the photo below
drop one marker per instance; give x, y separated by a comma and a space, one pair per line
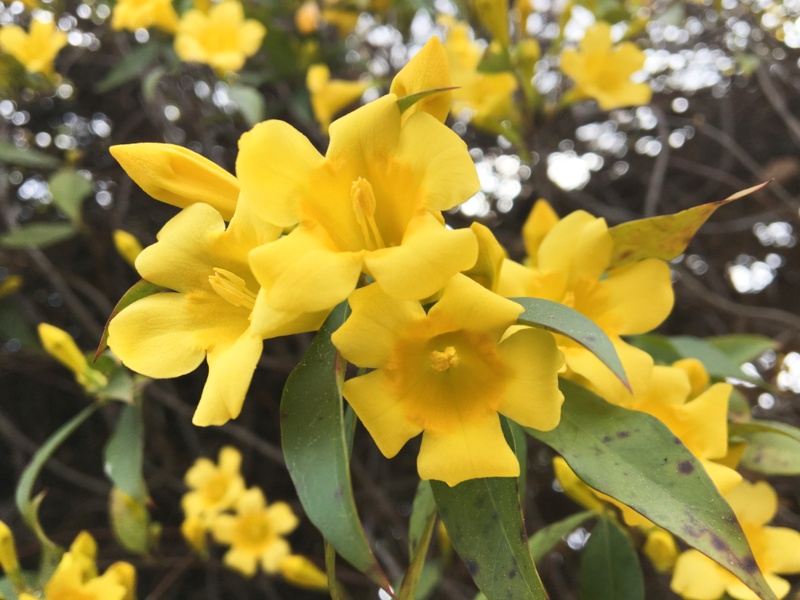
268, 322
223, 528
754, 503
704, 422
381, 412
8, 551
368, 336
740, 591
698, 577
491, 257
782, 550
474, 449
698, 376
178, 176
427, 70
580, 245
238, 560
574, 487
428, 257
725, 478
640, 296
661, 549
274, 555
532, 397
538, 224
281, 518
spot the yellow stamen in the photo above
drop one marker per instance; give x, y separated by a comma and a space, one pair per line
232, 288
364, 206
441, 361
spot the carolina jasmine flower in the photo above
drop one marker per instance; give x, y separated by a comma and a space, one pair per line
36, 49
221, 38
213, 488
255, 533
136, 14
60, 345
776, 550
448, 375
603, 72
370, 205
329, 96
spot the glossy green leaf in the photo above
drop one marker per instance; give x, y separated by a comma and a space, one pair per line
120, 384
635, 459
771, 454
140, 289
520, 446
250, 102
718, 364
484, 521
38, 235
124, 453
561, 319
408, 591
407, 102
741, 348
547, 537
666, 236
69, 189
423, 507
131, 66
610, 567
657, 346
315, 448
11, 155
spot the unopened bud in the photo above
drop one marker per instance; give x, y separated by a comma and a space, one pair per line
301, 572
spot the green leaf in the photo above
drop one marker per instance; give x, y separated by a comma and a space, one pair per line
124, 451
408, 591
635, 459
11, 155
520, 445
496, 61
424, 506
130, 521
140, 289
543, 540
717, 363
250, 102
128, 68
69, 189
315, 448
407, 102
484, 521
150, 81
666, 236
773, 448
743, 348
610, 568
38, 235
558, 318
335, 588
656, 346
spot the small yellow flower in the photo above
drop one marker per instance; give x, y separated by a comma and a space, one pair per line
137, 14
221, 38
255, 533
603, 72
127, 245
330, 96
213, 488
776, 550
302, 573
448, 375
37, 49
60, 345
308, 17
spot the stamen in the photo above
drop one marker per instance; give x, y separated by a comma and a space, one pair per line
232, 288
363, 199
441, 361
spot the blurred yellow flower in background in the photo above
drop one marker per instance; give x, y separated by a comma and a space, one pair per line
329, 96
213, 487
137, 14
603, 72
127, 246
221, 38
301, 572
36, 49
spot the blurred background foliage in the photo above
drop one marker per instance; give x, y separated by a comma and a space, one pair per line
723, 117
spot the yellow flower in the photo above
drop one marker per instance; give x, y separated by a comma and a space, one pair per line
254, 533
301, 572
127, 245
569, 262
213, 488
776, 550
194, 530
371, 204
493, 14
308, 17
37, 49
206, 316
60, 345
221, 38
603, 72
447, 374
485, 99
329, 96
137, 14
661, 549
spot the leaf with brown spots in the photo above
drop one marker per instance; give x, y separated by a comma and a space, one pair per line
654, 475
666, 236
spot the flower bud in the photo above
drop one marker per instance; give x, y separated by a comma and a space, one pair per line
301, 572
127, 245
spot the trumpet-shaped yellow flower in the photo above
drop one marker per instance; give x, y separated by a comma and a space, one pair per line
60, 345
776, 550
255, 533
371, 204
221, 38
142, 14
207, 315
329, 96
569, 263
448, 375
603, 72
213, 487
35, 50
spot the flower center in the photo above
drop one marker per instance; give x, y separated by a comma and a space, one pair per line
232, 288
442, 361
363, 199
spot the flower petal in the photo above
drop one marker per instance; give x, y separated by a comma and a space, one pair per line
782, 550
268, 322
698, 577
579, 245
538, 224
754, 503
428, 69
275, 552
238, 560
281, 518
640, 296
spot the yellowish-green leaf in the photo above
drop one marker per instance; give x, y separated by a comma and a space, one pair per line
69, 189
130, 521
